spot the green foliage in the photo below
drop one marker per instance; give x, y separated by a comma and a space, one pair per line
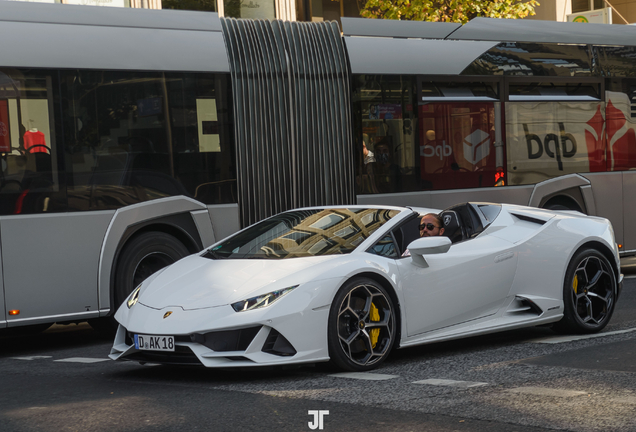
460, 11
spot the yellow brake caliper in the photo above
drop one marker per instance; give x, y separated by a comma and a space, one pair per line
575, 284
374, 315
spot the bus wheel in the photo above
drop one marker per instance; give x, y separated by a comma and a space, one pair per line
143, 256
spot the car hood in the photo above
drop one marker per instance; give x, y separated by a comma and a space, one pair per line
196, 282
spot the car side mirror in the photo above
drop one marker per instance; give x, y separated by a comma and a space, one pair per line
428, 246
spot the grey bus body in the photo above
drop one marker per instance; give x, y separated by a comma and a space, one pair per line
60, 266
445, 51
288, 119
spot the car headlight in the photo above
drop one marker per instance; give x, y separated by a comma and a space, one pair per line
134, 296
261, 301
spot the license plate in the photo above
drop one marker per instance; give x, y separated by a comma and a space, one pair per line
154, 343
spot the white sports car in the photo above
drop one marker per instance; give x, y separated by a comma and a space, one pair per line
319, 284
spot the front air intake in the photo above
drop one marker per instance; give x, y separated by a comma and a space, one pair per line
228, 340
276, 344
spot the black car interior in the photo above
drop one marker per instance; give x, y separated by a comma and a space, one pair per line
461, 222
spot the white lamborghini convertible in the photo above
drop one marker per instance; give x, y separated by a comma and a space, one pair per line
320, 284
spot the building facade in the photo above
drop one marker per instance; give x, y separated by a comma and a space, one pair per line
599, 11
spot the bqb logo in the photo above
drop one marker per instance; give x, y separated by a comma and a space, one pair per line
555, 147
318, 419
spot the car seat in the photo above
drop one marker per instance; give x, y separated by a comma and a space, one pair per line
453, 228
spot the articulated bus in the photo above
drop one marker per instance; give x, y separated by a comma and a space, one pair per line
130, 138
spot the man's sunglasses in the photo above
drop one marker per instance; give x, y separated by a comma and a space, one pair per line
428, 226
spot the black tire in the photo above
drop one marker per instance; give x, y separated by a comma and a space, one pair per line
589, 293
141, 257
562, 205
361, 328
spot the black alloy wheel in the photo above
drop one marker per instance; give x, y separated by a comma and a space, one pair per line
361, 330
589, 293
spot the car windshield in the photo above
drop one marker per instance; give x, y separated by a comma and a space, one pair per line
303, 233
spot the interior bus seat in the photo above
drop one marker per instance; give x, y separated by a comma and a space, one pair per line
43, 164
10, 186
39, 187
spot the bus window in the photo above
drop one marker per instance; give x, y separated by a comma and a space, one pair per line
620, 127
387, 159
138, 136
550, 139
533, 59
457, 144
30, 181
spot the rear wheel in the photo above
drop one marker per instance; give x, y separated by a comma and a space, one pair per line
589, 293
361, 329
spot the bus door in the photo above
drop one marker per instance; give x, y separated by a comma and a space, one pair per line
460, 135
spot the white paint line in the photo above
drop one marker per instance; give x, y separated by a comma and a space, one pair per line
29, 358
541, 391
82, 360
451, 383
563, 339
364, 376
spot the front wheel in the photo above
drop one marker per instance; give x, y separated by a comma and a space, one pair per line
361, 328
589, 293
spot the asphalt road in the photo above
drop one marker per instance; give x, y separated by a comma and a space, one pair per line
528, 380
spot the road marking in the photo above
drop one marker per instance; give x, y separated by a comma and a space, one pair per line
364, 376
563, 339
82, 360
29, 358
541, 391
451, 383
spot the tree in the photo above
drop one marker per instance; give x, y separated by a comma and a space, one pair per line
460, 11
